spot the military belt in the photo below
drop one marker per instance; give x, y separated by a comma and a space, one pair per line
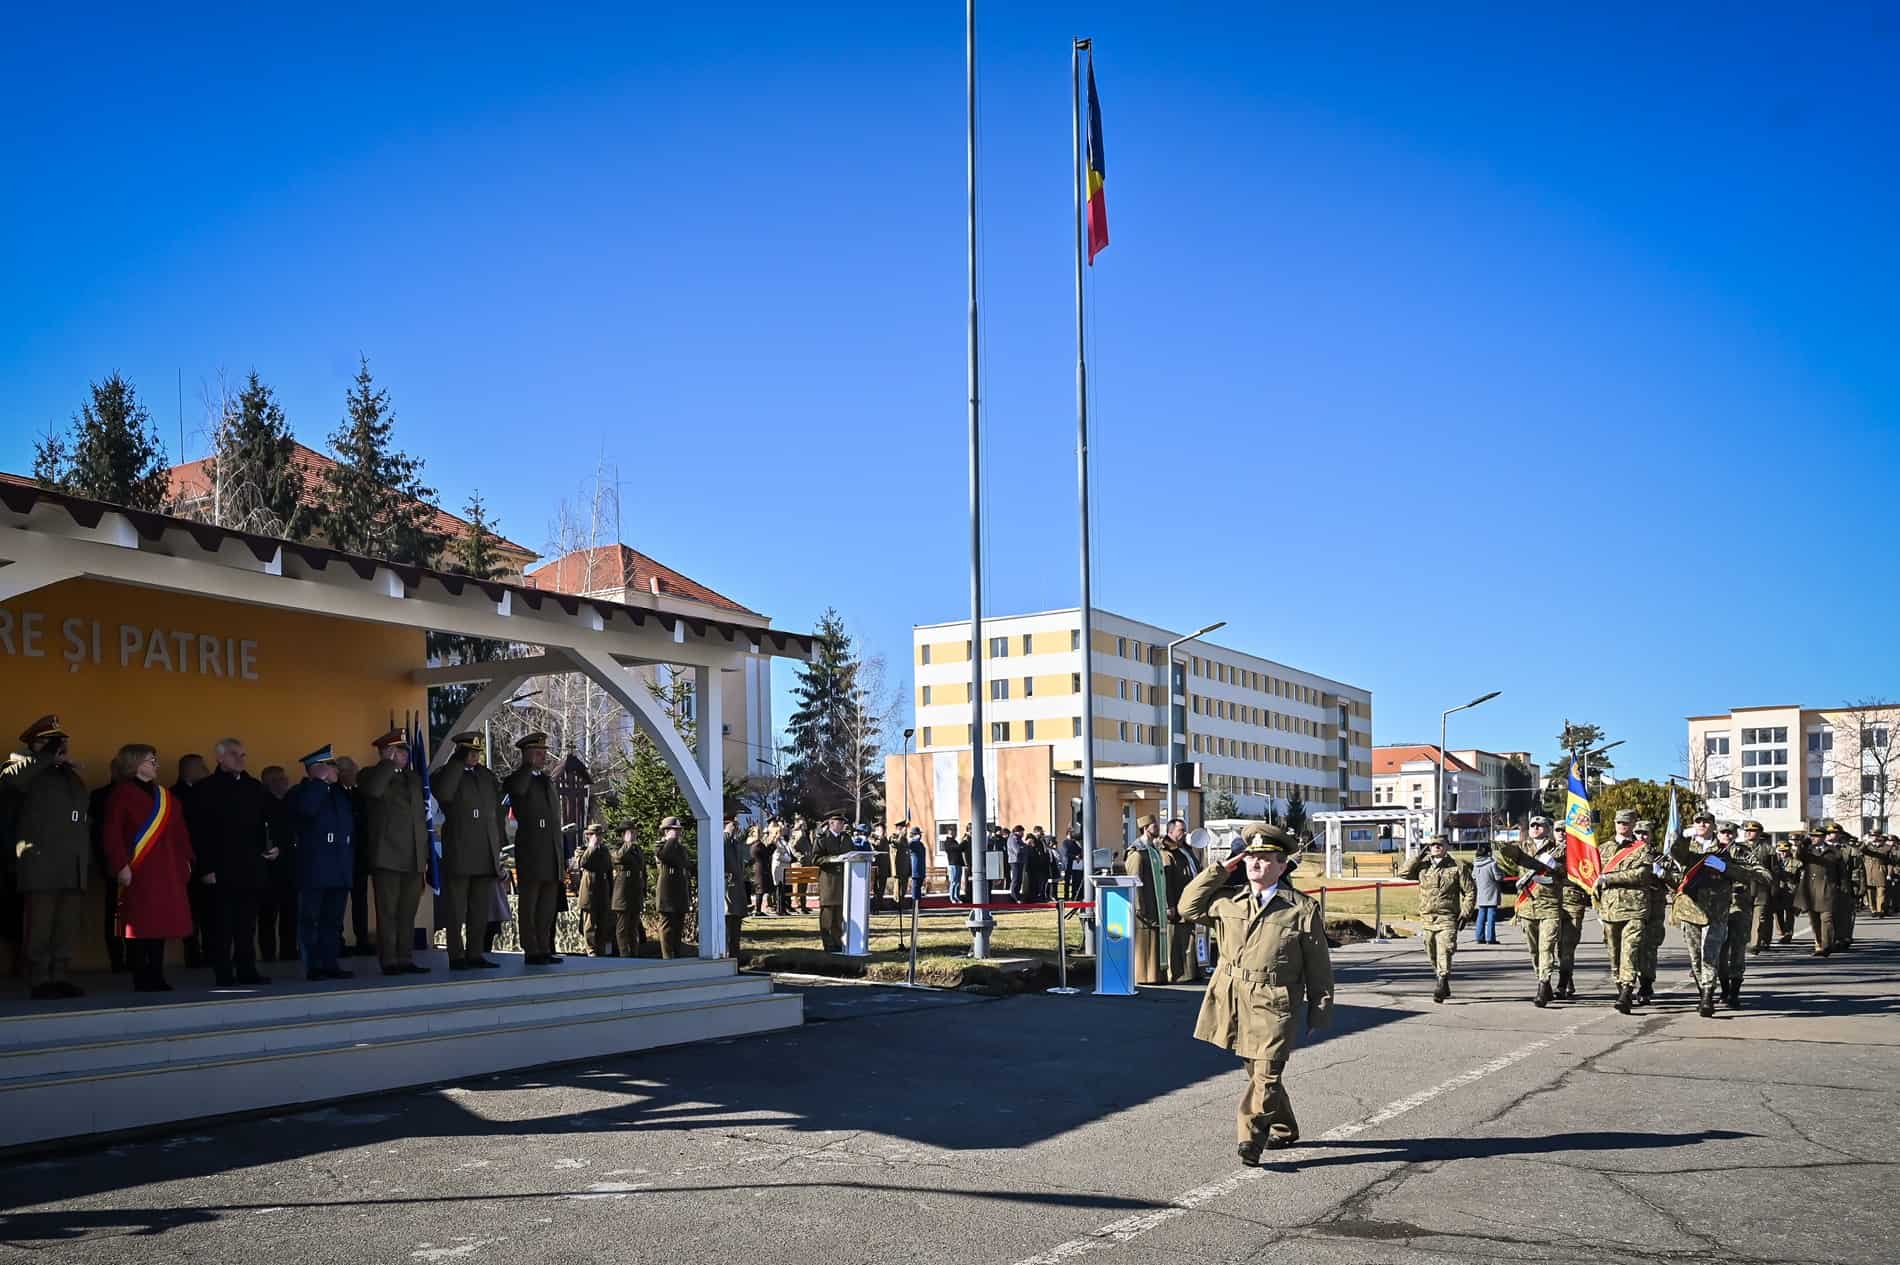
1250, 977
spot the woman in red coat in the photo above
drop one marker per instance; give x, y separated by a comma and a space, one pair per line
148, 851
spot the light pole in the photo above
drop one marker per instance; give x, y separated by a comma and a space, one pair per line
1584, 760
1438, 792
907, 737
1167, 697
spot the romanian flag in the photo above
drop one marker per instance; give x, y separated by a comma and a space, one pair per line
1581, 860
1098, 202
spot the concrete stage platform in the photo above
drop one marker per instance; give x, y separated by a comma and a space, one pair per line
116, 1060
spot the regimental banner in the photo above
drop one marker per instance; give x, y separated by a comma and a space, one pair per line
1581, 860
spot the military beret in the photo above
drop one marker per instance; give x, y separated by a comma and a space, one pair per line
1540, 820
43, 728
533, 741
672, 823
1625, 814
394, 738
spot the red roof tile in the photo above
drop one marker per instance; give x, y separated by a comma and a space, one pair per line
188, 483
1392, 759
620, 567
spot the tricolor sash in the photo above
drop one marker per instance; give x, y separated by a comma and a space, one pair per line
1623, 856
164, 809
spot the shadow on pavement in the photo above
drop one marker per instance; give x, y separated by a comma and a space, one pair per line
1437, 1150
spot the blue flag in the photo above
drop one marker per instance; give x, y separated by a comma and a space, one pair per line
419, 761
1675, 823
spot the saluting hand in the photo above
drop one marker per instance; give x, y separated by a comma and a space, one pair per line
125, 876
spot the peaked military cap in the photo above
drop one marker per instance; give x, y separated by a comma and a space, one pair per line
1267, 840
1704, 815
536, 741
322, 755
1441, 839
672, 823
1144, 821
1752, 824
467, 740
44, 727
836, 814
1726, 828
394, 738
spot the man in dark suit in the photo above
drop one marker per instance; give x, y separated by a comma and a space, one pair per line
228, 816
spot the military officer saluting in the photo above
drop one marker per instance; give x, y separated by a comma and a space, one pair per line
50, 843
676, 887
1818, 888
470, 796
1447, 899
628, 900
537, 849
396, 810
596, 863
1274, 962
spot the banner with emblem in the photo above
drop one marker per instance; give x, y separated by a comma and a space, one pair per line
1581, 860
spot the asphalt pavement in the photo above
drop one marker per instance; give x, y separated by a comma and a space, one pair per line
912, 1126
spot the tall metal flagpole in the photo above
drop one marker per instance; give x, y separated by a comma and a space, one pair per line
1089, 831
980, 920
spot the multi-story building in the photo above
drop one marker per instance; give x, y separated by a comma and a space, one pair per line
1789, 765
1483, 789
1258, 729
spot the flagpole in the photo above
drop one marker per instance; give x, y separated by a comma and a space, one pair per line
1089, 831
980, 921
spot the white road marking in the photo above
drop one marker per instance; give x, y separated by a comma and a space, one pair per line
1128, 1228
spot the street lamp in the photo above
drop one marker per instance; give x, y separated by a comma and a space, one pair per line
907, 737
1585, 759
1438, 792
1167, 697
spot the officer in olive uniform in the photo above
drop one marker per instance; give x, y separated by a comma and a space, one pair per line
470, 797
1656, 904
596, 864
1447, 900
1751, 885
1876, 853
50, 840
1756, 846
628, 901
538, 858
676, 887
832, 842
1541, 873
1631, 871
396, 812
1274, 964
1703, 898
1847, 893
1817, 892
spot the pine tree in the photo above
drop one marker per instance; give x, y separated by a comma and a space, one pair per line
112, 453
1295, 813
474, 552
828, 747
254, 483
374, 501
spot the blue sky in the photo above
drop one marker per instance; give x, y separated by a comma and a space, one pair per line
1438, 351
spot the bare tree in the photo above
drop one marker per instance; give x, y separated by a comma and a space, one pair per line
863, 730
1866, 759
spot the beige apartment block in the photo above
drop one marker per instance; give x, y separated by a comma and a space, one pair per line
1259, 729
1787, 766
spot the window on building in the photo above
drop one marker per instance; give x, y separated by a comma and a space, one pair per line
999, 731
1194, 701
1715, 744
1748, 759
1075, 727
1121, 647
926, 735
923, 654
1029, 731
926, 696
1872, 783
1075, 638
1873, 736
1122, 730
1029, 687
999, 688
1075, 682
1780, 801
1027, 643
1121, 689
1820, 786
1820, 740
1781, 734
1719, 790
1776, 755
999, 647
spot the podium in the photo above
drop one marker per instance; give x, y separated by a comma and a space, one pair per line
1115, 934
857, 901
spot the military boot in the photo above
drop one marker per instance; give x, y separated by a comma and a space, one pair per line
1543, 993
1443, 990
1566, 987
1707, 1007
1647, 992
1624, 998
1249, 1153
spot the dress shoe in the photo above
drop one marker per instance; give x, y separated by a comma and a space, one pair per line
1543, 994
1249, 1153
1280, 1142
549, 959
482, 964
253, 978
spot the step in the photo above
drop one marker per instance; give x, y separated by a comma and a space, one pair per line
185, 1012
40, 1109
432, 1016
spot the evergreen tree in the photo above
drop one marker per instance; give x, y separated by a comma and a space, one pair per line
1575, 740
254, 483
1295, 813
830, 753
112, 453
374, 501
1220, 806
474, 552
